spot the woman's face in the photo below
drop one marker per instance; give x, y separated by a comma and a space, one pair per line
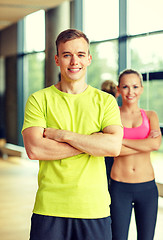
130, 88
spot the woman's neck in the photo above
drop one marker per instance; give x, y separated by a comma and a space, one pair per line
130, 108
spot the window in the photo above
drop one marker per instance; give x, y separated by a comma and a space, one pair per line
35, 32
33, 73
31, 61
139, 47
34, 55
151, 96
145, 29
101, 20
145, 53
144, 16
104, 64
101, 25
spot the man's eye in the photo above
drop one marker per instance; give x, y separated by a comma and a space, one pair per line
124, 86
67, 55
81, 55
135, 86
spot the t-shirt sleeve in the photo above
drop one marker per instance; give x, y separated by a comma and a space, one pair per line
34, 113
111, 113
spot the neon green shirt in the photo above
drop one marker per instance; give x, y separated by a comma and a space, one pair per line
74, 187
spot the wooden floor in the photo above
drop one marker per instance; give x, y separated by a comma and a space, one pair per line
18, 185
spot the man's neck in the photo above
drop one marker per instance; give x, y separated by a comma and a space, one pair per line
72, 88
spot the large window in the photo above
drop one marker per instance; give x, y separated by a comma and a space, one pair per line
144, 16
101, 25
145, 29
150, 99
101, 19
34, 34
31, 61
134, 43
34, 55
34, 72
146, 53
104, 63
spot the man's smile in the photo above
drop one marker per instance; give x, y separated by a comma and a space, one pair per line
74, 70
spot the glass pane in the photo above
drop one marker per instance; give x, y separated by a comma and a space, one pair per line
33, 73
145, 53
144, 16
104, 64
101, 20
150, 99
156, 157
151, 96
35, 32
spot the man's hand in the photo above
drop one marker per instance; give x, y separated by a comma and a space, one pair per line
109, 141
40, 144
55, 134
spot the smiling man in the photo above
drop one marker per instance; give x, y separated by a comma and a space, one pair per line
69, 127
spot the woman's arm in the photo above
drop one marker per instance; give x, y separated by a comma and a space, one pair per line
152, 142
125, 151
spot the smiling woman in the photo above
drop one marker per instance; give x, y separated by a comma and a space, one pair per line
132, 174
130, 86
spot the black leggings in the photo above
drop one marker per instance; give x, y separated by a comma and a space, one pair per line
143, 197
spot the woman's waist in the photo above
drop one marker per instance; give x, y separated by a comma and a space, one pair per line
132, 169
133, 187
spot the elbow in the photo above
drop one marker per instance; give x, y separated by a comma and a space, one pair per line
115, 151
156, 144
32, 154
156, 147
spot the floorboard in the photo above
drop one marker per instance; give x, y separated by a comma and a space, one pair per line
18, 185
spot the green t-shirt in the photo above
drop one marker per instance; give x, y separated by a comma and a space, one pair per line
74, 187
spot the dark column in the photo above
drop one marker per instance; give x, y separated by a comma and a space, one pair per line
122, 34
57, 20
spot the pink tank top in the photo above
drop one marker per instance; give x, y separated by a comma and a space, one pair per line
140, 132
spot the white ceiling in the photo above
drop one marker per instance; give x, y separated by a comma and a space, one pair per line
12, 11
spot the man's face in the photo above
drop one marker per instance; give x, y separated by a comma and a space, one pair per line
73, 59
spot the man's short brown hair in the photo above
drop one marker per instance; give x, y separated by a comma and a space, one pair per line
70, 34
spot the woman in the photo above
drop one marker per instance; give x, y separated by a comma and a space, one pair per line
132, 182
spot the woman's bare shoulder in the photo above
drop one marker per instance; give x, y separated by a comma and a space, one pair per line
151, 113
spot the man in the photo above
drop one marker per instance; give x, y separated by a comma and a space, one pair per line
69, 128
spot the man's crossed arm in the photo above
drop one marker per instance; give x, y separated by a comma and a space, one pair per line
55, 144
